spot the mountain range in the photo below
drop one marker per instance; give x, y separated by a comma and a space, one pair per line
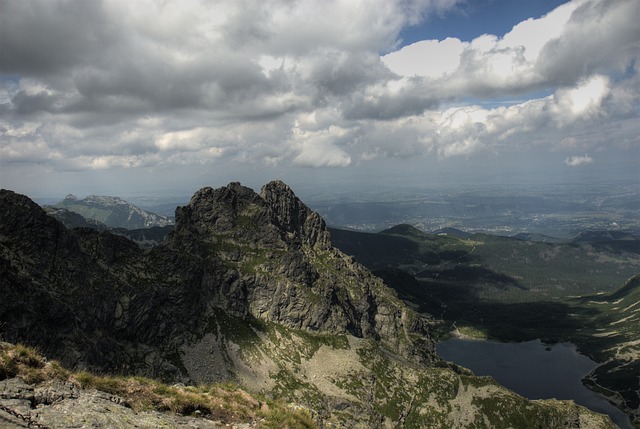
584, 290
113, 212
247, 288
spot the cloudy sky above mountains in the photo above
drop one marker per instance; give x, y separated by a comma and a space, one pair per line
143, 96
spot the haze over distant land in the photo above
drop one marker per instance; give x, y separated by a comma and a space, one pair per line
151, 97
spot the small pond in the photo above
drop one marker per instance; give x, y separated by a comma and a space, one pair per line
533, 369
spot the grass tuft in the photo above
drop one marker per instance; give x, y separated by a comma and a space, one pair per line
25, 362
225, 402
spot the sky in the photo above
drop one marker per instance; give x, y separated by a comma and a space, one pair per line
147, 97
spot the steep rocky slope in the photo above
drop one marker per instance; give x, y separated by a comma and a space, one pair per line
247, 288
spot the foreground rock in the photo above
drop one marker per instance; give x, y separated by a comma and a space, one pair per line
63, 405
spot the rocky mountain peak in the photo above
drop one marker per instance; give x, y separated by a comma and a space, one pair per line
275, 217
21, 218
213, 205
293, 216
233, 212
287, 271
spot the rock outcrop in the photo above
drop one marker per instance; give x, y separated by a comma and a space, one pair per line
282, 267
93, 299
58, 404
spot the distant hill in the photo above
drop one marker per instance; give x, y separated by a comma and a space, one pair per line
144, 237
454, 232
72, 219
591, 236
377, 251
167, 209
612, 241
405, 230
540, 238
113, 212
510, 269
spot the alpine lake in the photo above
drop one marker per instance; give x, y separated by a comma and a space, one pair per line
533, 369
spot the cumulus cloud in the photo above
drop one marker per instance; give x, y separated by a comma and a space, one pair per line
319, 148
578, 160
88, 84
572, 42
583, 101
429, 58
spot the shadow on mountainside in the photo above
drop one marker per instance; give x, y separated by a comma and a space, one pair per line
459, 302
578, 321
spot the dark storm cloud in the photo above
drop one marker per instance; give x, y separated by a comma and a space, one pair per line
25, 104
340, 73
39, 38
385, 102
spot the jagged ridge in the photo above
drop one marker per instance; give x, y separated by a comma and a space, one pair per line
246, 287
288, 270
267, 257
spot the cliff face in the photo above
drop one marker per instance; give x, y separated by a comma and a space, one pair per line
95, 299
281, 267
246, 287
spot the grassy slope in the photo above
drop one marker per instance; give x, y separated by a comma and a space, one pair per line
376, 388
513, 290
225, 403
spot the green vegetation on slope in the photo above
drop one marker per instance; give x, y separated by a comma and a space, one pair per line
225, 403
615, 336
510, 270
515, 290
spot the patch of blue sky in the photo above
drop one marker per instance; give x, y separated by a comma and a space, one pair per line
474, 18
505, 101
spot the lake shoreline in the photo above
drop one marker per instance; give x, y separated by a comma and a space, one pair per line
533, 369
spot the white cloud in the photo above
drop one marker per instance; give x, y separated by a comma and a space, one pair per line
578, 160
468, 129
317, 148
182, 140
569, 143
533, 34
570, 43
121, 84
428, 58
583, 101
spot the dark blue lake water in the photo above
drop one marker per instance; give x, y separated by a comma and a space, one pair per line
534, 370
